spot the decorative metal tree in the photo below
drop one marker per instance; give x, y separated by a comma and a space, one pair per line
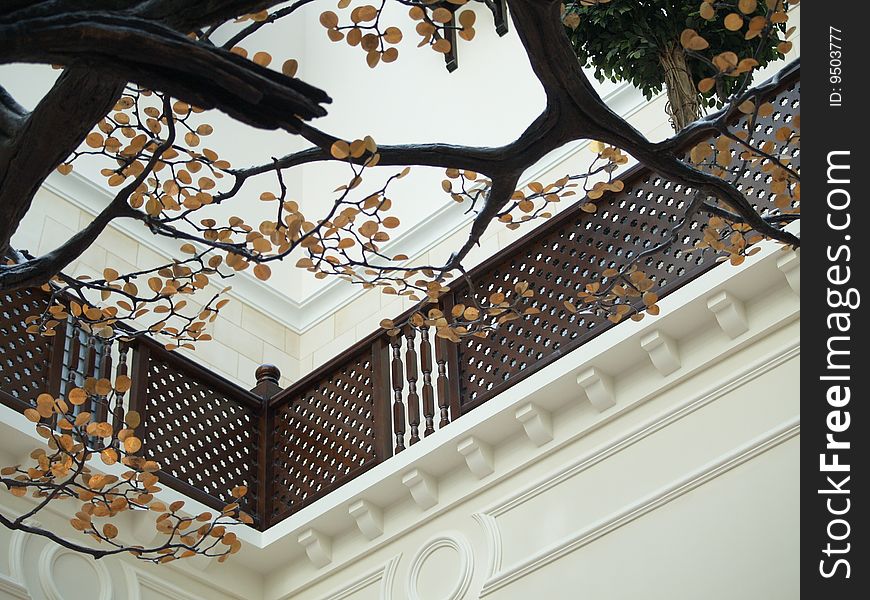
137, 78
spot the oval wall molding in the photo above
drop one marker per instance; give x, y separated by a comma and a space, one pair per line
454, 541
48, 558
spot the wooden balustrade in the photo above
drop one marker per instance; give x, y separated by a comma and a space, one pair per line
293, 446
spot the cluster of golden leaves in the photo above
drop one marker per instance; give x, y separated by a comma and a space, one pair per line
477, 319
145, 131
74, 437
616, 297
348, 242
770, 157
159, 298
182, 179
736, 16
433, 17
730, 240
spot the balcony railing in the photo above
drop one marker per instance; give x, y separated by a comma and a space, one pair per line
293, 446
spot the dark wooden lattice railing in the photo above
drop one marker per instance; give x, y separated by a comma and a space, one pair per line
293, 446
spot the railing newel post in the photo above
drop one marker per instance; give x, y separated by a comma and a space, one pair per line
268, 377
381, 396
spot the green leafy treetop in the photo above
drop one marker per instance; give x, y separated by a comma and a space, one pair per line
640, 42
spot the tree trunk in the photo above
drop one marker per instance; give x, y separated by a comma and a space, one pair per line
684, 106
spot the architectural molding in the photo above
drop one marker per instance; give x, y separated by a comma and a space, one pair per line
317, 546
423, 488
730, 313
478, 456
385, 574
695, 479
493, 542
454, 541
598, 387
136, 579
369, 518
13, 588
47, 559
662, 350
704, 397
18, 542
537, 423
790, 265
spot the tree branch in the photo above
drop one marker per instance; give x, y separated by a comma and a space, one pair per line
159, 58
56, 127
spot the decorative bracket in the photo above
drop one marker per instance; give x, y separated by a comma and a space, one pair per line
478, 456
598, 387
423, 488
662, 351
730, 313
537, 423
369, 518
318, 547
790, 265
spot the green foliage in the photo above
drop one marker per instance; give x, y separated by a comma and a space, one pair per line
622, 40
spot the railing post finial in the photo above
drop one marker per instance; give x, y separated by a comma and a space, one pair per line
267, 373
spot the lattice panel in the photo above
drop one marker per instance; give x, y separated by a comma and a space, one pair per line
323, 435
198, 435
24, 358
560, 263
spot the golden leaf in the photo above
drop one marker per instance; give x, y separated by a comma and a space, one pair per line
290, 67
262, 272
329, 19
340, 149
123, 384
441, 15
77, 396
747, 107
442, 46
706, 84
747, 7
262, 58
733, 22
94, 140
707, 11
392, 35
110, 531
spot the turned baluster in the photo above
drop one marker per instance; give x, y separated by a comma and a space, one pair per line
426, 367
413, 398
398, 383
120, 371
443, 383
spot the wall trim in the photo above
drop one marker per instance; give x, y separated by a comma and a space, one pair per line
385, 573
493, 541
136, 579
697, 401
13, 588
49, 556
18, 541
740, 455
455, 541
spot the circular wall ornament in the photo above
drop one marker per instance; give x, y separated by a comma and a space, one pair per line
446, 557
52, 584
